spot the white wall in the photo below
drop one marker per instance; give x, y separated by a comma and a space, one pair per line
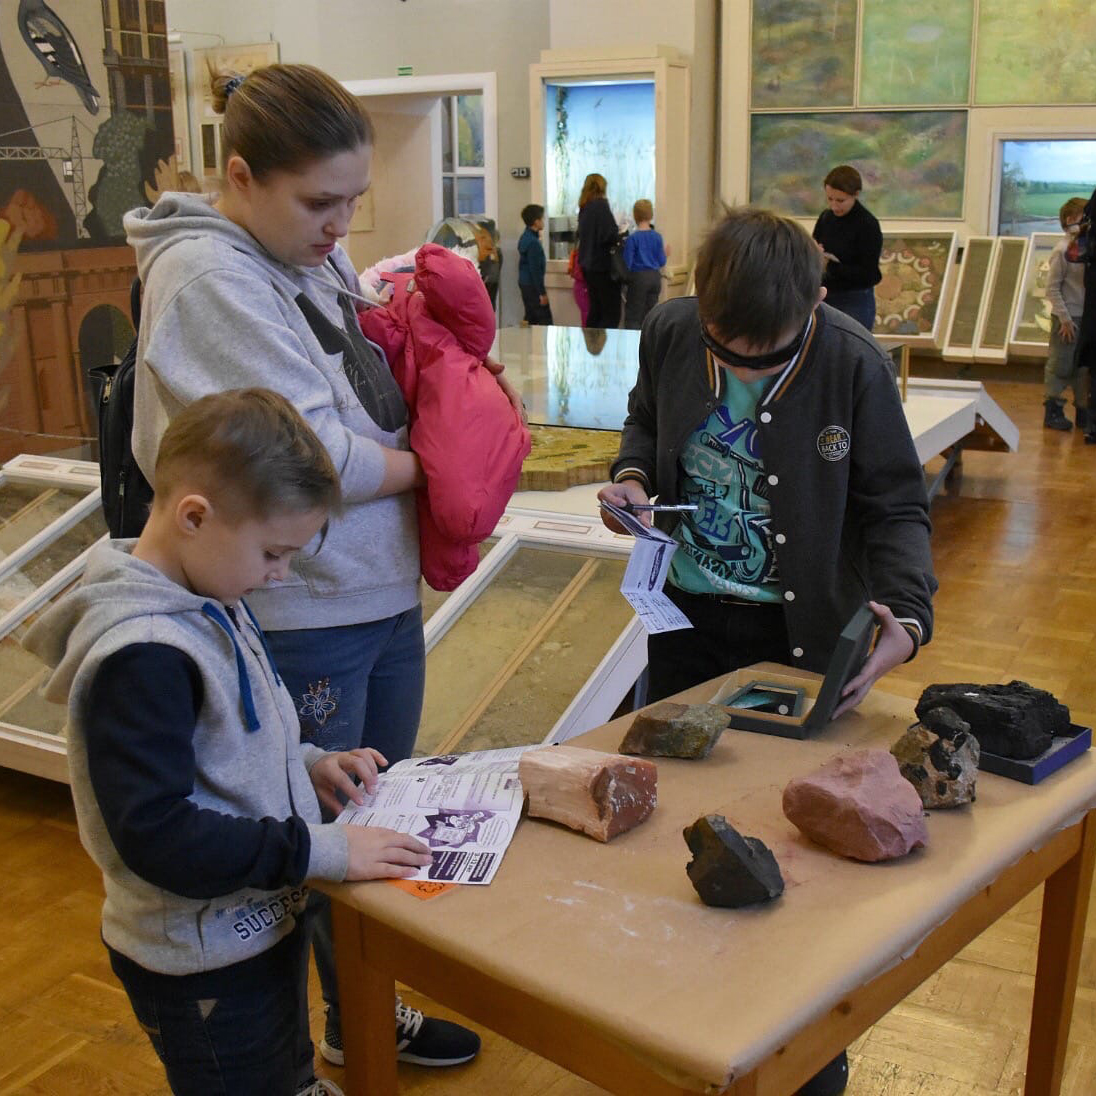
370, 39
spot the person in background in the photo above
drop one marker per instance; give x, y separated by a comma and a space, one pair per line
194, 794
645, 256
597, 234
851, 242
531, 267
1066, 297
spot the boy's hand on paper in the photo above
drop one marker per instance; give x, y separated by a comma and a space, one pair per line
379, 853
627, 493
893, 645
333, 774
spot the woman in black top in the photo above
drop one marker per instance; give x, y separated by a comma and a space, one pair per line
597, 232
851, 241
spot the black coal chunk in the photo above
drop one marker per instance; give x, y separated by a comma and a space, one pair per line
728, 869
1014, 720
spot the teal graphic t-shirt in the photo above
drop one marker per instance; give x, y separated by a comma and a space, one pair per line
726, 547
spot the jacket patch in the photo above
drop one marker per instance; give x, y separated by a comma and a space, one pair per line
833, 443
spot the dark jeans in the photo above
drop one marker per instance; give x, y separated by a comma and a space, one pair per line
604, 299
243, 1042
857, 303
644, 288
358, 685
536, 314
724, 637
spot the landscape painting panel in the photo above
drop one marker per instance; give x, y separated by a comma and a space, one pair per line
912, 162
1035, 53
915, 267
915, 54
1032, 326
1037, 178
804, 52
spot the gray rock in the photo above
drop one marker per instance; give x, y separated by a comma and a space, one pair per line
943, 771
728, 869
668, 729
1014, 720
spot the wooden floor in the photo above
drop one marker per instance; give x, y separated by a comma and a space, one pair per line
1015, 548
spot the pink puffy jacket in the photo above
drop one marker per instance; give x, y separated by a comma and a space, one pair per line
435, 332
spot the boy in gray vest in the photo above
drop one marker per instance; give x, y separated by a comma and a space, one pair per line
193, 792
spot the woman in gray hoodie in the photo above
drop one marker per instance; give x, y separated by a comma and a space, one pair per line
252, 288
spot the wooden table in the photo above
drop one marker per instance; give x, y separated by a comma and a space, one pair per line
602, 959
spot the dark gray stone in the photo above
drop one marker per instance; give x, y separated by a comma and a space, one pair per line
1013, 720
728, 869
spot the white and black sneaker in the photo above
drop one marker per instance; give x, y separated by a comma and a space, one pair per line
420, 1040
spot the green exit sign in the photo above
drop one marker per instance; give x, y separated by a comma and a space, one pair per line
404, 70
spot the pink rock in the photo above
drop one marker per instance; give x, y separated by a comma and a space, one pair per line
859, 805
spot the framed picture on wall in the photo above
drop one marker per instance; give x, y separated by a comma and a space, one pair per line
917, 270
208, 62
1031, 329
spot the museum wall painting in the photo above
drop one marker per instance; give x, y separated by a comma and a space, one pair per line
912, 55
912, 162
804, 52
916, 268
85, 113
1035, 53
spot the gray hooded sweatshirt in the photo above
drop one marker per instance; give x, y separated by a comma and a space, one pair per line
248, 764
219, 312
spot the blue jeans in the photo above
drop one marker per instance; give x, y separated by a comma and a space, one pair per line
244, 1042
356, 685
857, 303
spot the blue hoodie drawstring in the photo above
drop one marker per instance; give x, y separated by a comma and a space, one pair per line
262, 637
250, 716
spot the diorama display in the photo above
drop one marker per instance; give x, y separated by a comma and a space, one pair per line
597, 125
915, 55
917, 269
912, 161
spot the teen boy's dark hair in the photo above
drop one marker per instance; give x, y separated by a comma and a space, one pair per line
531, 214
253, 448
757, 275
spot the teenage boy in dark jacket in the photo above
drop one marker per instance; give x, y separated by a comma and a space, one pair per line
779, 418
531, 267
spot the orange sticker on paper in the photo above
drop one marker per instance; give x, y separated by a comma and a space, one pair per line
422, 888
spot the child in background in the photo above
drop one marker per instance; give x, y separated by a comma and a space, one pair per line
531, 267
645, 256
193, 792
1066, 297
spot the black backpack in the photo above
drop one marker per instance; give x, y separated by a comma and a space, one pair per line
127, 495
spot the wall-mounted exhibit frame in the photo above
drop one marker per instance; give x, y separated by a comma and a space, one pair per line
970, 297
671, 77
1030, 336
918, 270
50, 518
1001, 299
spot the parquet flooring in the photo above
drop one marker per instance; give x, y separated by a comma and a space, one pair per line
1015, 549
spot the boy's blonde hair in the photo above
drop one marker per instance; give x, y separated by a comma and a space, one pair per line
642, 211
250, 450
1075, 207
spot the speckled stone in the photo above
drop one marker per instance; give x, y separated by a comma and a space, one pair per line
667, 729
943, 771
728, 869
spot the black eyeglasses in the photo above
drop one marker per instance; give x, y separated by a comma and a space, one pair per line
754, 361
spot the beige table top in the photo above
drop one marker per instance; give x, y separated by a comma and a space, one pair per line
616, 936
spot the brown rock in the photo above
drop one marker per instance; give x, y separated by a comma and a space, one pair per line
596, 793
676, 730
943, 771
859, 805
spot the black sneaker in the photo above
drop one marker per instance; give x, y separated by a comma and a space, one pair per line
420, 1040
428, 1041
1054, 418
830, 1080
